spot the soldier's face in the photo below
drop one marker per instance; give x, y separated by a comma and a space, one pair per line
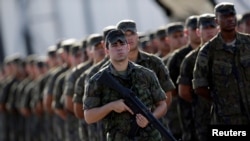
208, 33
161, 42
177, 40
132, 39
193, 36
98, 51
77, 59
227, 22
246, 26
118, 51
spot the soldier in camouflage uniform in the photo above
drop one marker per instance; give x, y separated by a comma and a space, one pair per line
145, 44
162, 45
74, 57
179, 106
3, 113
49, 95
103, 103
3, 126
245, 22
175, 38
53, 63
17, 120
36, 102
63, 126
153, 42
207, 28
85, 132
7, 97
145, 59
221, 72
25, 100
95, 44
75, 73
71, 125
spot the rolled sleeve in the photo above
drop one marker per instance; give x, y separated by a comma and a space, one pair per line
199, 83
77, 98
79, 89
91, 96
201, 69
164, 79
184, 80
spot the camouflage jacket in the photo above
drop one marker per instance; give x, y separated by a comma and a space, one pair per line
154, 63
226, 71
142, 82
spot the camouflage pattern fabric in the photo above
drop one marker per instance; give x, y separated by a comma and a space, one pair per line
93, 132
140, 80
155, 64
200, 106
226, 70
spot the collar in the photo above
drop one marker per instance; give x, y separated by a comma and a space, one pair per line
220, 44
131, 67
142, 56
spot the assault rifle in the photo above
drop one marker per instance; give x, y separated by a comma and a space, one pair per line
134, 103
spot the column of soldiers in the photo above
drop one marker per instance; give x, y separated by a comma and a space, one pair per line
47, 98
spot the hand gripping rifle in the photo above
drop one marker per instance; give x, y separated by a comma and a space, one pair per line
134, 103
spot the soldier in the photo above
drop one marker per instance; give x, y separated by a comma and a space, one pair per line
16, 119
8, 97
86, 132
49, 91
162, 44
180, 113
70, 122
207, 29
53, 62
25, 100
3, 113
221, 70
147, 60
152, 41
95, 44
112, 110
175, 38
144, 45
63, 127
245, 22
41, 69
56, 66
239, 26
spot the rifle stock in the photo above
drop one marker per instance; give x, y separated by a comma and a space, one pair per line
134, 103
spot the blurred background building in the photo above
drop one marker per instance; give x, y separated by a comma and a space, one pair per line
30, 26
